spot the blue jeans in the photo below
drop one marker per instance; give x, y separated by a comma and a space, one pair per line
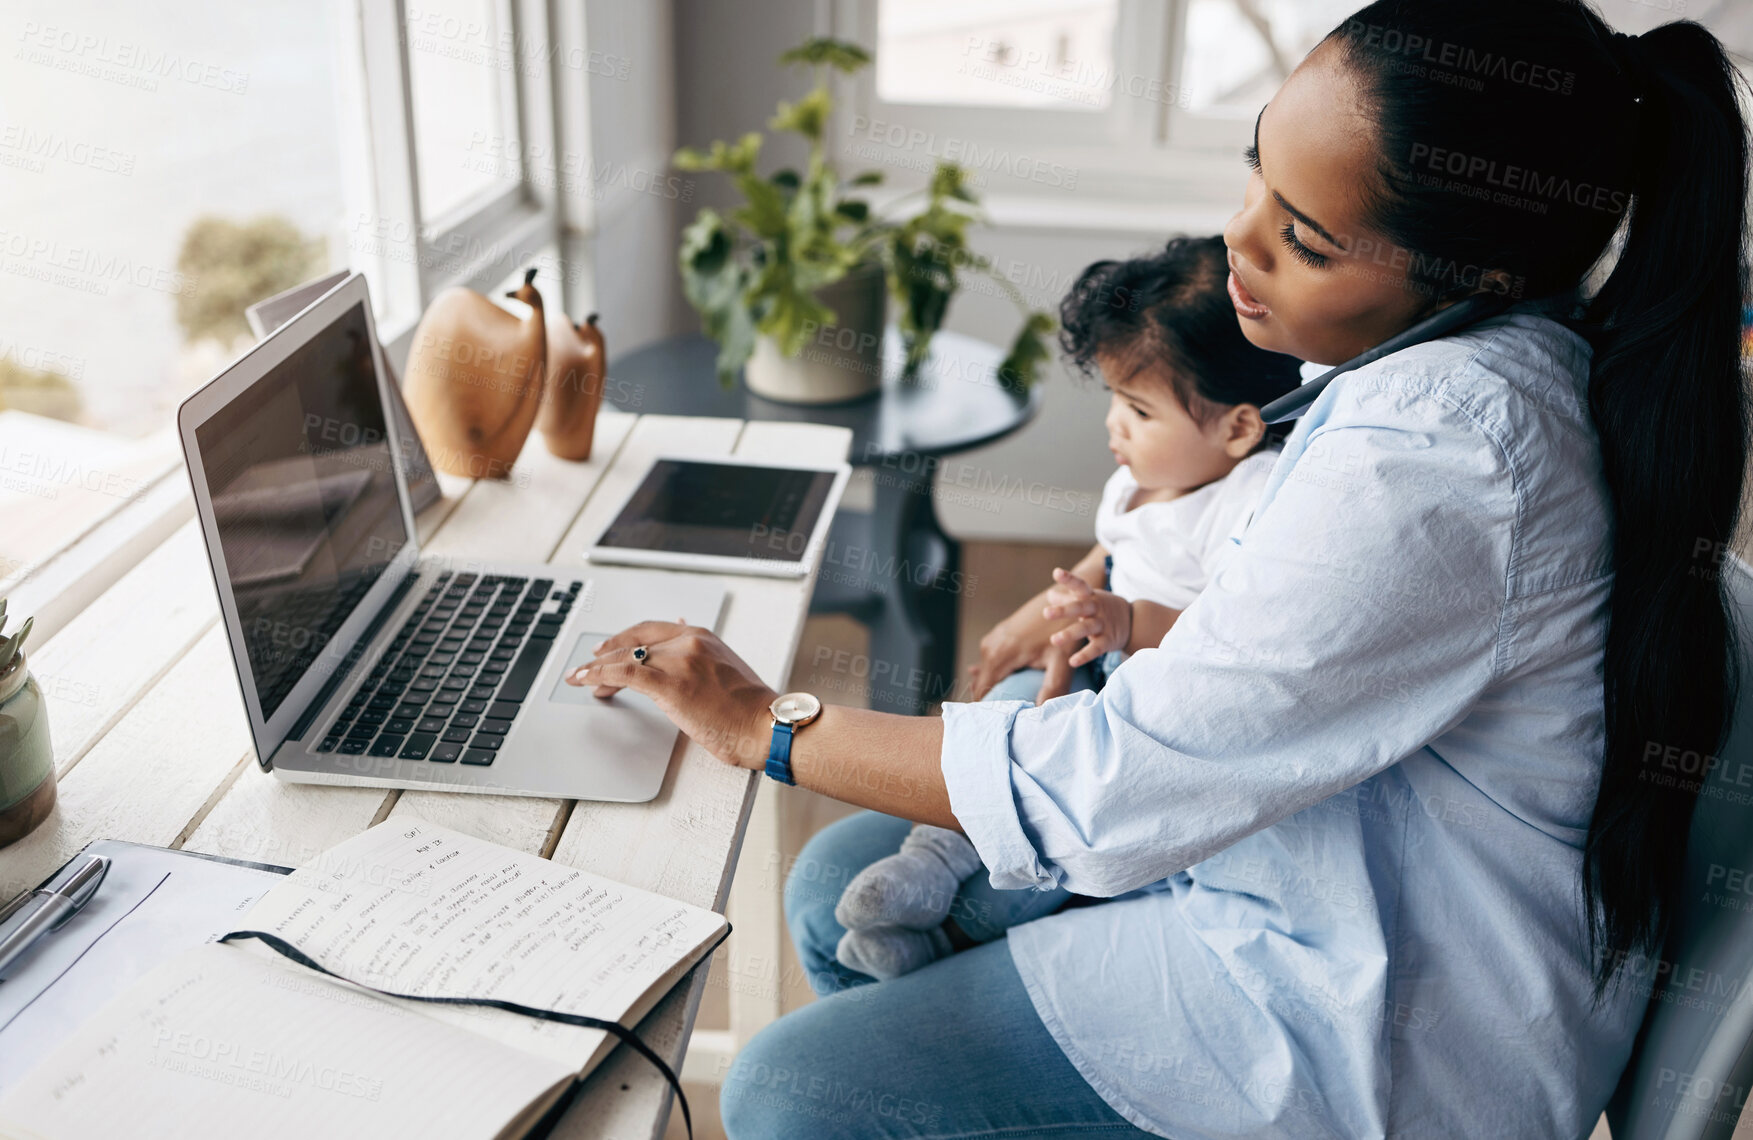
983, 911
953, 1050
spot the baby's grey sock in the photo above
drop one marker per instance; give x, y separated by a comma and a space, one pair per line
914, 887
886, 952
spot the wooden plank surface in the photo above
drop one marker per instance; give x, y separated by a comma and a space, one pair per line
155, 748
151, 773
684, 844
96, 668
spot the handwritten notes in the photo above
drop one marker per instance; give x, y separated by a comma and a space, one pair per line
233, 1039
413, 908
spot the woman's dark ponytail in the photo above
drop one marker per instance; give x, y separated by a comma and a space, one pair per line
1668, 399
1573, 127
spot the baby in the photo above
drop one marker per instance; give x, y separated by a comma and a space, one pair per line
1184, 427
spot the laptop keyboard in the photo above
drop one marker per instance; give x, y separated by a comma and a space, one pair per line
456, 674
321, 611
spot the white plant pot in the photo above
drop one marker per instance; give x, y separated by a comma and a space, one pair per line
840, 362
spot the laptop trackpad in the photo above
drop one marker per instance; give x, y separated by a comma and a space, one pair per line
583, 653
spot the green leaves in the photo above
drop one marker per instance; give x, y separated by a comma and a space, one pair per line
716, 284
757, 271
791, 310
808, 116
11, 647
925, 254
732, 158
1019, 370
822, 51
950, 181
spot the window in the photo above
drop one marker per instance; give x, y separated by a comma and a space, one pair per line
162, 163
164, 166
1125, 98
475, 112
955, 74
1238, 51
996, 53
464, 102
161, 167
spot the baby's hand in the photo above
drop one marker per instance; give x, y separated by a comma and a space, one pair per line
1102, 620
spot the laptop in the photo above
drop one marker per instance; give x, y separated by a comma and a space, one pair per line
363, 662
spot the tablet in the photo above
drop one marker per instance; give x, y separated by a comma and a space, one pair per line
726, 516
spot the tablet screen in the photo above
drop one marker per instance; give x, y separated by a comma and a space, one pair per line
727, 510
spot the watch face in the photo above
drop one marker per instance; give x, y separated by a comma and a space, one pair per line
794, 707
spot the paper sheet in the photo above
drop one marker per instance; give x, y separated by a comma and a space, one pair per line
152, 905
221, 1042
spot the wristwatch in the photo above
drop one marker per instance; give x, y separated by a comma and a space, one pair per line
791, 711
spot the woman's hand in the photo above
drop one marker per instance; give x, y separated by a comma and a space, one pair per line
1056, 663
1018, 642
706, 690
1103, 621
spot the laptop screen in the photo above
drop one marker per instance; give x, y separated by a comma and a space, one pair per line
299, 472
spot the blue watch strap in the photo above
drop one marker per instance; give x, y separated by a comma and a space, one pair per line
779, 754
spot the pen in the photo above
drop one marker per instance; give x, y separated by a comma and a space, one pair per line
47, 909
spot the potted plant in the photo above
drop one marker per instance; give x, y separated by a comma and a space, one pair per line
791, 283
27, 762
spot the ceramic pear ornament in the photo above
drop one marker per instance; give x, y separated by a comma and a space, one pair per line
474, 380
577, 363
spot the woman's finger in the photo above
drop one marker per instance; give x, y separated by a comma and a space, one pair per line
645, 633
1057, 681
576, 676
615, 670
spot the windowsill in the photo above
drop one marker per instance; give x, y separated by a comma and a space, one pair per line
1111, 214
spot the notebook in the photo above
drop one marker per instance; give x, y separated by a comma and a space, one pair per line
153, 905
235, 1037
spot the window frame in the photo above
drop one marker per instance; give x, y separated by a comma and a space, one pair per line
534, 219
1149, 150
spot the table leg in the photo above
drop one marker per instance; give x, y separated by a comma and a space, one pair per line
897, 572
913, 638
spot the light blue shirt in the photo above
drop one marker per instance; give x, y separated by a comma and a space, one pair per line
1346, 798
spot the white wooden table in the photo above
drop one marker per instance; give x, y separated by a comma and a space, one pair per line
152, 745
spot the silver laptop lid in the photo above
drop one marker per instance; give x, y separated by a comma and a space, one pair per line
303, 503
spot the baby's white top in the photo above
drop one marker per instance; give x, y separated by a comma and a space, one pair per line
1166, 552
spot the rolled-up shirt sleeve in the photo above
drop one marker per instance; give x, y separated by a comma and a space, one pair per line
1360, 618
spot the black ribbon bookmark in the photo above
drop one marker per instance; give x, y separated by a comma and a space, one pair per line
287, 950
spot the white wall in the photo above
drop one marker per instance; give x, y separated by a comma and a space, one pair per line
633, 133
1060, 461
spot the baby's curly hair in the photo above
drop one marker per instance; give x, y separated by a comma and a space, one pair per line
1170, 312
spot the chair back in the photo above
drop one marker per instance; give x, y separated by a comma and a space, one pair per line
1689, 1073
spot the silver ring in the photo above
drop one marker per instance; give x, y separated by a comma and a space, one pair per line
640, 653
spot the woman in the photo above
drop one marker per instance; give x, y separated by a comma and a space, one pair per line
1371, 818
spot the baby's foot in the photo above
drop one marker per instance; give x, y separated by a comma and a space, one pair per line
914, 887
886, 952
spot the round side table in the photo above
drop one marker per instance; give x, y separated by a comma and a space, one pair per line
893, 569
